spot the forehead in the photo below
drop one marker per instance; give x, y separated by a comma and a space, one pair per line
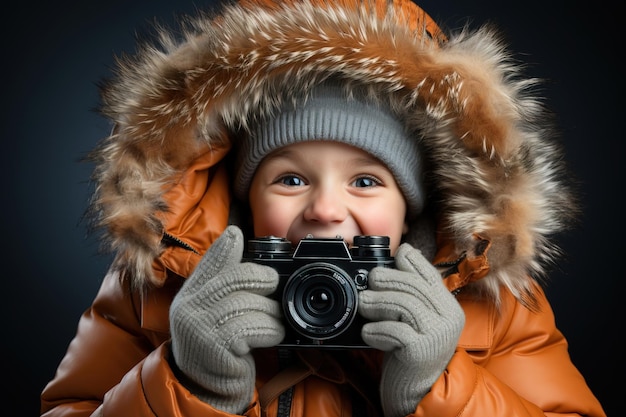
314, 148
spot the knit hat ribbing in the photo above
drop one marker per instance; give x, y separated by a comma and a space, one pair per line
330, 115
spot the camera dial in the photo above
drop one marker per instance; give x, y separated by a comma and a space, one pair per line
269, 246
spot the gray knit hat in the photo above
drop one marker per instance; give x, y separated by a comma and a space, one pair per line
328, 114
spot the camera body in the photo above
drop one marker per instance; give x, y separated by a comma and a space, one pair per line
319, 285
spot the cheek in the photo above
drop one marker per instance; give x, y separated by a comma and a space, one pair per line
271, 219
269, 226
394, 228
392, 224
268, 216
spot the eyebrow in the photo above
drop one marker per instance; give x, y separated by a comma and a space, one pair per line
280, 153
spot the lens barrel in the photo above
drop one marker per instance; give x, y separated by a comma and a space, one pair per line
320, 300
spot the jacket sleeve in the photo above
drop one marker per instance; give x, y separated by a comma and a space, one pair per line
117, 368
523, 370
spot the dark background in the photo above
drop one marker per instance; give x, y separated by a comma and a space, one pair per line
55, 53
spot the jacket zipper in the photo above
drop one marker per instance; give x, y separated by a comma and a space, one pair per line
169, 240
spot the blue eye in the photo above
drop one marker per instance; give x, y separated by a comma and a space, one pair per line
291, 181
363, 182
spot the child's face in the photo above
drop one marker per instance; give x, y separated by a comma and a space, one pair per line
326, 189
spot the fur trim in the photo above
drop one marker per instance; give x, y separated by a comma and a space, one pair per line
496, 172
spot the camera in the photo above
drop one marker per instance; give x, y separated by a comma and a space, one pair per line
320, 281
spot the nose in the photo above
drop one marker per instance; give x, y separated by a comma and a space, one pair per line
326, 206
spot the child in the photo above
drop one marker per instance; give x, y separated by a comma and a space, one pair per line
325, 118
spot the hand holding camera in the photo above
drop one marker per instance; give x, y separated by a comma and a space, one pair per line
217, 317
228, 307
416, 321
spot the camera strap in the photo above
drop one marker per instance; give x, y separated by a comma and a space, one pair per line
281, 387
323, 365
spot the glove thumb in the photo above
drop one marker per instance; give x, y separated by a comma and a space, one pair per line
409, 259
225, 252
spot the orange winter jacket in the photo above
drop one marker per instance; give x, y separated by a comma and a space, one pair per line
508, 363
162, 196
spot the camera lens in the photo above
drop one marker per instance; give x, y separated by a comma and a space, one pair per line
320, 300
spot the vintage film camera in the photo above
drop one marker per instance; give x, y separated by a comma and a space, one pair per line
319, 285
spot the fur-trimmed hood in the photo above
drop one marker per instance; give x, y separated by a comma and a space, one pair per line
495, 171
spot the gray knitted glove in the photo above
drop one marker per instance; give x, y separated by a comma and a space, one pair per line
416, 321
218, 316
